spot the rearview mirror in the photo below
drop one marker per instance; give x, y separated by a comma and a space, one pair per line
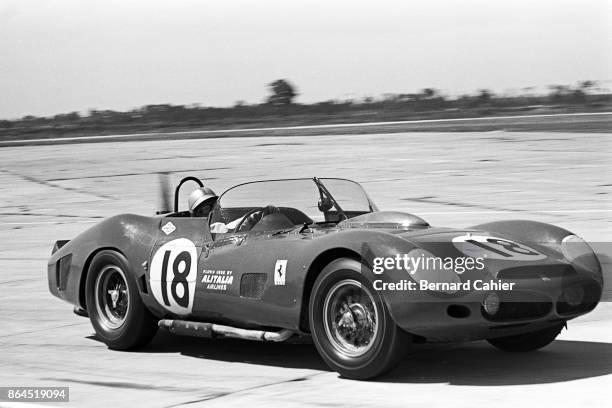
325, 204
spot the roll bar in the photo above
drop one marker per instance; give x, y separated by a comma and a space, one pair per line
178, 189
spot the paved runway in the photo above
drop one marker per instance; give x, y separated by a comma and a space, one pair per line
451, 179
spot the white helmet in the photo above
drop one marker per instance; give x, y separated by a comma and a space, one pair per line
201, 196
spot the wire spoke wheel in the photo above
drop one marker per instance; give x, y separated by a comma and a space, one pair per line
350, 324
112, 297
350, 317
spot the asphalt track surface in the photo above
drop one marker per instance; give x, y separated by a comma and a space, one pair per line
451, 179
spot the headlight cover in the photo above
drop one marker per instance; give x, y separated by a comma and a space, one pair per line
576, 250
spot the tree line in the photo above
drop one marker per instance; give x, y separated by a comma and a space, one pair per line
281, 107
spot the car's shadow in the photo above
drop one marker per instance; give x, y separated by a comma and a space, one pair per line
475, 363
479, 363
291, 355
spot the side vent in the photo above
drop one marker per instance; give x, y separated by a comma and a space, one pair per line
62, 269
142, 282
252, 285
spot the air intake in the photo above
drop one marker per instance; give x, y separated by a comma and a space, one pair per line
252, 285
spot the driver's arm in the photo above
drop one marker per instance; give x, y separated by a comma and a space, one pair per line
219, 227
233, 224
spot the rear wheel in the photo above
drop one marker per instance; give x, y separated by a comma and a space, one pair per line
350, 324
528, 341
117, 314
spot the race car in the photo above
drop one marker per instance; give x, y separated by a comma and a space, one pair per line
321, 260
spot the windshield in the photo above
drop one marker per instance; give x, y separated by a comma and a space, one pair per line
300, 194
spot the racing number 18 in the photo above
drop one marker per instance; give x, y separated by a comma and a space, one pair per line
180, 268
511, 247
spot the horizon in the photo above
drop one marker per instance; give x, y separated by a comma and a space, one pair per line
531, 92
65, 55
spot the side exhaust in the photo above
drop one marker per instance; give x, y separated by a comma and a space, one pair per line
216, 331
79, 311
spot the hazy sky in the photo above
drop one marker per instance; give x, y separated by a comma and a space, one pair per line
64, 55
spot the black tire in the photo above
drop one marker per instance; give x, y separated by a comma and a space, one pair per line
130, 324
375, 355
527, 341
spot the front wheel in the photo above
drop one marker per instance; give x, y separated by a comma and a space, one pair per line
350, 324
527, 341
118, 315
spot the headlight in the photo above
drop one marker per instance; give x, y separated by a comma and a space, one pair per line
431, 268
491, 303
576, 250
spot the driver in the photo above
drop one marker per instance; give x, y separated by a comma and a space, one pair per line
247, 224
201, 201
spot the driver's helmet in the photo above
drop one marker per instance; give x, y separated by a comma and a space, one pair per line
201, 196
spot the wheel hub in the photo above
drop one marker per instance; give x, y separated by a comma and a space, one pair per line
356, 324
112, 297
350, 318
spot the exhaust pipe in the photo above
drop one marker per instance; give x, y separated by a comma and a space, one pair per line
217, 331
79, 311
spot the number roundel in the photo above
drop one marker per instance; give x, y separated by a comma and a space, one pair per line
173, 275
488, 247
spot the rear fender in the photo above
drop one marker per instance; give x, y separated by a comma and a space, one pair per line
131, 235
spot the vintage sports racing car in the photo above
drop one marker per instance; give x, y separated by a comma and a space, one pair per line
306, 267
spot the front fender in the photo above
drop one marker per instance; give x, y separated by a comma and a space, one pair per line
526, 230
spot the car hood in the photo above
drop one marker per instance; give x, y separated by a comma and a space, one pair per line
439, 240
